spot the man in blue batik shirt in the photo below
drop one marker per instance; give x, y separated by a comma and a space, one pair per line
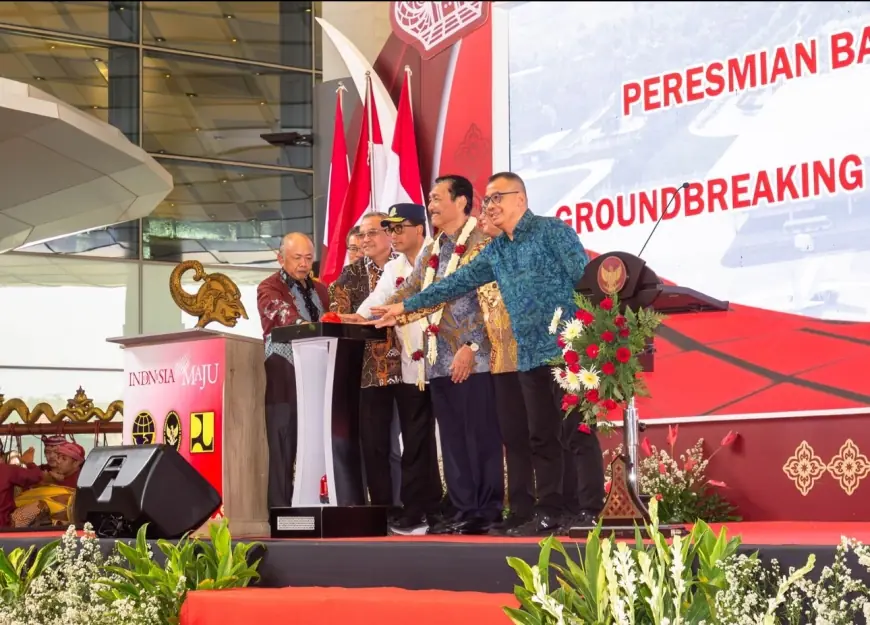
536, 263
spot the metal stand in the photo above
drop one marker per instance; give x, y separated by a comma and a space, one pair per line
625, 508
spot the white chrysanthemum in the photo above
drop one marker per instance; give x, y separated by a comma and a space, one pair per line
572, 382
554, 324
573, 330
589, 378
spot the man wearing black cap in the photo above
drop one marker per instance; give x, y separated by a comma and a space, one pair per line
421, 482
383, 383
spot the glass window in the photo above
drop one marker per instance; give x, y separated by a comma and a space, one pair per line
270, 32
60, 311
222, 214
120, 241
318, 36
102, 81
106, 20
160, 313
227, 111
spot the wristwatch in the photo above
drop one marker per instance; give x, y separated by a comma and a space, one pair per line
472, 346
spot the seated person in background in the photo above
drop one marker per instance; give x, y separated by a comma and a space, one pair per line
12, 475
51, 502
50, 444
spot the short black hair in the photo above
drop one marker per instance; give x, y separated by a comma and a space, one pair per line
354, 232
459, 186
510, 176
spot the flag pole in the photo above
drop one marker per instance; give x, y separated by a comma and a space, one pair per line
408, 74
372, 193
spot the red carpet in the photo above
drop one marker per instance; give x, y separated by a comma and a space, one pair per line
332, 606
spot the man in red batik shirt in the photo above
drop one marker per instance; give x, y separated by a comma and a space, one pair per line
285, 298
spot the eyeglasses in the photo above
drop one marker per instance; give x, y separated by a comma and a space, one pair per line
353, 249
495, 198
400, 228
371, 234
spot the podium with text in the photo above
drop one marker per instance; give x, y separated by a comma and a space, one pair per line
637, 286
202, 392
328, 488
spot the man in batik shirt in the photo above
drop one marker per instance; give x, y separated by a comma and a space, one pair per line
460, 382
382, 365
284, 298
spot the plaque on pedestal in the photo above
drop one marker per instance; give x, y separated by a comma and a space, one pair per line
328, 492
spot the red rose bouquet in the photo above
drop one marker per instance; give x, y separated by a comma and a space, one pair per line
599, 368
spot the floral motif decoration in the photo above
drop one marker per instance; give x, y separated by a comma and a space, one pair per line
849, 467
804, 468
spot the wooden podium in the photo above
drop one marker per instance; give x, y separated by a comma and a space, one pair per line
202, 392
328, 489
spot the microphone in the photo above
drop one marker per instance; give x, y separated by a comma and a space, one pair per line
685, 185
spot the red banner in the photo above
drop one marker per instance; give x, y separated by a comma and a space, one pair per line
174, 395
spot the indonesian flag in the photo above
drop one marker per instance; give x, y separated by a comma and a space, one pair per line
402, 182
339, 175
367, 177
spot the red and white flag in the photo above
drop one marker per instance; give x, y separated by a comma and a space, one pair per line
366, 180
402, 180
339, 175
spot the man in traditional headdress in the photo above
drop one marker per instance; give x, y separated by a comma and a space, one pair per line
51, 501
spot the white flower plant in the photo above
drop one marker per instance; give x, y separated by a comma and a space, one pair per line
699, 579
73, 583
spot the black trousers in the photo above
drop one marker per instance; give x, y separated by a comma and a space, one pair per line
471, 445
420, 481
281, 429
568, 467
513, 418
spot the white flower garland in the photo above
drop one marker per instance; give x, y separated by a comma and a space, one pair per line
429, 277
406, 337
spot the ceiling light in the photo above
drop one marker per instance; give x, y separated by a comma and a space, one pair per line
262, 104
38, 78
234, 40
228, 16
167, 75
160, 39
196, 129
190, 95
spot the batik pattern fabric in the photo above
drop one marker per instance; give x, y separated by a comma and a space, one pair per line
308, 306
462, 321
536, 272
382, 360
503, 358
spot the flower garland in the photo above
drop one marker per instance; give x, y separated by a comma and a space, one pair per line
416, 356
431, 323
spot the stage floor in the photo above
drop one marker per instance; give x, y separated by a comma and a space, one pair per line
474, 563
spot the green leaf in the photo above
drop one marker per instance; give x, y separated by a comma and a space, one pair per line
519, 617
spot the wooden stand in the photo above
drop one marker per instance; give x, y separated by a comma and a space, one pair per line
202, 392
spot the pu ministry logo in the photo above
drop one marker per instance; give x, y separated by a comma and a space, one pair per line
202, 432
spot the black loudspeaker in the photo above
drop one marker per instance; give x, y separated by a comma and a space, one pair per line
122, 488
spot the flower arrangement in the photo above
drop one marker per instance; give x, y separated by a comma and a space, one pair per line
834, 598
693, 580
599, 368
73, 583
679, 483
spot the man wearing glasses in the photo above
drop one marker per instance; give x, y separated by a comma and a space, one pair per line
536, 263
421, 491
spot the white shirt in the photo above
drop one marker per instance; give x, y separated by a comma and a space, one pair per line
410, 336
